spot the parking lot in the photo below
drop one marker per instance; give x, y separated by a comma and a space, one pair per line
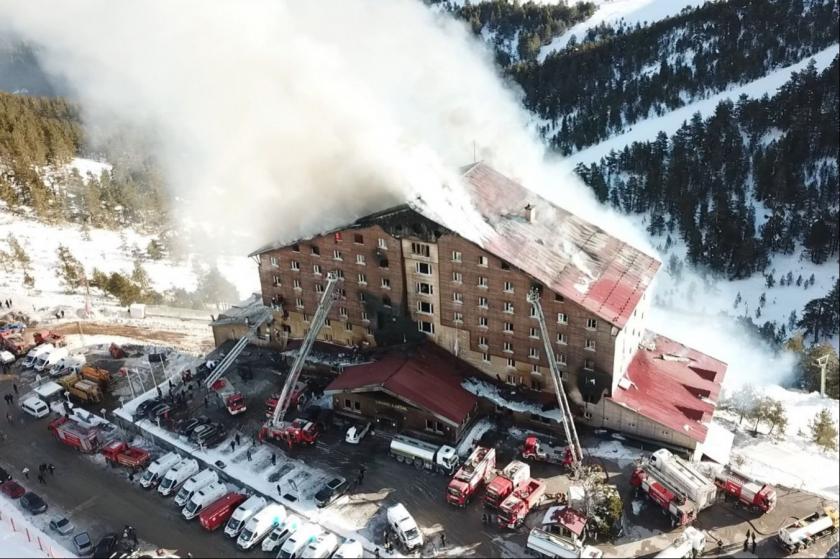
101, 499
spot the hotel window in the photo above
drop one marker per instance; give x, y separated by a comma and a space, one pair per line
342, 292
316, 269
299, 303
386, 283
533, 353
420, 249
456, 256
360, 259
423, 268
482, 281
426, 327
348, 326
295, 265
482, 341
508, 328
562, 338
589, 365
365, 317
511, 379
342, 312
337, 255
504, 265
533, 332
562, 318
296, 284
276, 280
482, 261
590, 345
274, 261
457, 277
348, 404
316, 251
319, 288
508, 307
362, 279
457, 297
511, 362
559, 298
482, 322
482, 303
386, 301
508, 347
382, 243
535, 368
591, 324
358, 239
561, 358
424, 288
485, 357
339, 274
305, 319
508, 287
532, 312
384, 263
362, 297
295, 247
458, 317
369, 331
425, 307
338, 237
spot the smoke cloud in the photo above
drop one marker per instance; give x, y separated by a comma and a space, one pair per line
276, 119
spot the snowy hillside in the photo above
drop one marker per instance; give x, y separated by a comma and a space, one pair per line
629, 12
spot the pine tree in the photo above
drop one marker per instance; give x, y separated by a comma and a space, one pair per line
824, 430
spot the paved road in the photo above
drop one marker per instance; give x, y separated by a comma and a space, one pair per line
100, 499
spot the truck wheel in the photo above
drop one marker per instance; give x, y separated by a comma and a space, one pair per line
399, 458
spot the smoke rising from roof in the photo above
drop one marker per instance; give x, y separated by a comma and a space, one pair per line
278, 119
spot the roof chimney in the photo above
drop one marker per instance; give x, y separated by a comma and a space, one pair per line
530, 213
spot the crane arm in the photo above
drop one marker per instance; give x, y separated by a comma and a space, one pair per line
559, 390
318, 320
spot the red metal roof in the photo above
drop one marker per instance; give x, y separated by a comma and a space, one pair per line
567, 254
672, 384
425, 380
567, 517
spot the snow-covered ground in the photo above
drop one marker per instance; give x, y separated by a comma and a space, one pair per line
22, 535
791, 460
612, 12
670, 122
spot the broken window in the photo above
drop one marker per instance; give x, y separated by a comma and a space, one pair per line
423, 268
559, 298
383, 263
420, 249
316, 251
295, 247
425, 307
504, 265
358, 239
338, 237
424, 288
386, 301
589, 365
426, 327
357, 405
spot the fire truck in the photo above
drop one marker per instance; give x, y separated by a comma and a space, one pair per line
49, 337
299, 431
512, 476
517, 505
757, 496
533, 449
681, 510
472, 474
682, 476
118, 453
297, 399
73, 434
231, 399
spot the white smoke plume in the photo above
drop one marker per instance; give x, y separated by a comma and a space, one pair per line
278, 119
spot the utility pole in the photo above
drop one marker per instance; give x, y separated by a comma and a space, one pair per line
822, 363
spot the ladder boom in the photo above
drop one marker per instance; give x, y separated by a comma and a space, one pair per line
560, 392
318, 320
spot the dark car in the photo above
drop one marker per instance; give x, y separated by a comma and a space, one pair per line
334, 489
145, 407
186, 427
160, 410
215, 439
82, 544
106, 545
213, 430
12, 489
4, 475
33, 503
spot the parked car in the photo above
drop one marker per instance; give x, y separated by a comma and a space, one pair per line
62, 526
35, 407
82, 544
33, 503
105, 546
12, 489
145, 407
334, 489
215, 439
186, 427
356, 433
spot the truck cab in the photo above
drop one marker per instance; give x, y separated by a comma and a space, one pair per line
194, 484
176, 477
260, 525
404, 526
242, 514
157, 469
512, 477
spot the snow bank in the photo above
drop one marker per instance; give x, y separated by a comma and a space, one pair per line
474, 435
20, 538
486, 390
614, 450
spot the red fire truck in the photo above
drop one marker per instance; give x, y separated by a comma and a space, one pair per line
755, 495
75, 435
681, 510
517, 505
513, 476
475, 472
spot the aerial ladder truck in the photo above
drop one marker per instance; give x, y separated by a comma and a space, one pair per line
575, 453
299, 431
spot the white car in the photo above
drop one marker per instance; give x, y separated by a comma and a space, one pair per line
356, 433
62, 526
35, 407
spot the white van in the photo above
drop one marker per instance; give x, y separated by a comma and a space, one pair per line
351, 549
35, 353
49, 392
298, 541
67, 365
203, 498
242, 514
157, 469
35, 407
404, 526
47, 360
260, 525
176, 477
279, 535
194, 484
321, 547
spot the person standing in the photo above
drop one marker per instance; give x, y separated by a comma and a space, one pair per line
443, 539
41, 478
25, 472
51, 468
14, 387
